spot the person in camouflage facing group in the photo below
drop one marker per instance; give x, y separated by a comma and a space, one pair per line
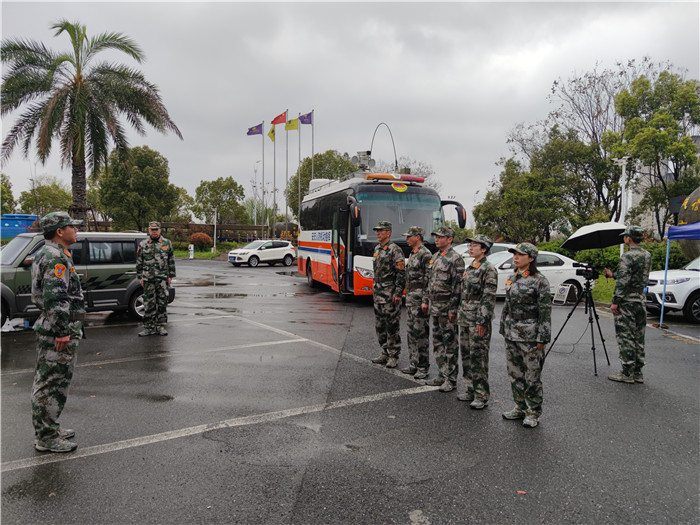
155, 267
418, 329
441, 300
478, 300
629, 306
526, 325
56, 291
389, 282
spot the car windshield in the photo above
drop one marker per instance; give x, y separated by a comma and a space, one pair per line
13, 249
253, 245
693, 265
499, 257
402, 210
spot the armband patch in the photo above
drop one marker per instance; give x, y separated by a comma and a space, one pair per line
59, 270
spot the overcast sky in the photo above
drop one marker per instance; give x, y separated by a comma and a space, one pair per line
449, 79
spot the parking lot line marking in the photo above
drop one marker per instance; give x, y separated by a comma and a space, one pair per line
201, 429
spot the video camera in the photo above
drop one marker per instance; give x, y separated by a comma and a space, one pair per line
586, 271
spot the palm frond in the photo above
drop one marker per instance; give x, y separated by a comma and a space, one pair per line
115, 41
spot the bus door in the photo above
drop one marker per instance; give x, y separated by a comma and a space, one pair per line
340, 252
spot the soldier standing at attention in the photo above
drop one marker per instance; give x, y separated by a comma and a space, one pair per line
418, 329
389, 282
57, 293
526, 327
628, 306
441, 299
478, 300
155, 267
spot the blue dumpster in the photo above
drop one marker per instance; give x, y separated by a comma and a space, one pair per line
15, 223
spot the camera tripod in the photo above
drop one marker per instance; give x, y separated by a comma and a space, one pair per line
591, 311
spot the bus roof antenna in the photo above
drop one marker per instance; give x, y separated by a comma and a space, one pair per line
396, 162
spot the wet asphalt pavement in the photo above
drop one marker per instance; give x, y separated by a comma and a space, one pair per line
262, 406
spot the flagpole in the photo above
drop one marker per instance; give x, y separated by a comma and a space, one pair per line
274, 182
262, 136
299, 180
286, 169
312, 143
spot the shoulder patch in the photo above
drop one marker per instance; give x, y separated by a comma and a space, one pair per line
59, 270
400, 265
67, 252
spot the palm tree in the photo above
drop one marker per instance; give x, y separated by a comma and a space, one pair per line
69, 97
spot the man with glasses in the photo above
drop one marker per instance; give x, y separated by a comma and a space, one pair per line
57, 293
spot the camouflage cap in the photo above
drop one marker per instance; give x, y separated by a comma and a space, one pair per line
636, 233
481, 239
57, 219
444, 231
153, 225
413, 230
382, 225
526, 249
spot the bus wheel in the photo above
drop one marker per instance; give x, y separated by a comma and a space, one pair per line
309, 275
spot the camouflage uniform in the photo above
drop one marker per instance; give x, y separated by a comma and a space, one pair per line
155, 265
57, 293
442, 294
418, 329
631, 278
389, 280
478, 300
526, 321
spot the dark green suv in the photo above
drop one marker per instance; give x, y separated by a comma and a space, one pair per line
105, 262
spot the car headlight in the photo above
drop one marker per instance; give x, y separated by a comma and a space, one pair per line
364, 272
679, 280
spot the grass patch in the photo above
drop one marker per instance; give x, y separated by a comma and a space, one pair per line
603, 290
197, 255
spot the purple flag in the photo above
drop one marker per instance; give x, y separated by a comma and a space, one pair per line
306, 119
255, 130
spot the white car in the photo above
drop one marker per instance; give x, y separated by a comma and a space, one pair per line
463, 250
557, 268
682, 290
267, 251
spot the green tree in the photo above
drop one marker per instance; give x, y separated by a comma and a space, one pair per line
7, 199
225, 196
522, 206
48, 194
135, 188
71, 98
660, 115
328, 165
183, 207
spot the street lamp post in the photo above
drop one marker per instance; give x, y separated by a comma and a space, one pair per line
623, 192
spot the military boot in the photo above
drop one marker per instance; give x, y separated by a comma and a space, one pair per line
447, 386
515, 413
436, 381
421, 373
409, 370
621, 378
162, 331
392, 362
466, 396
530, 421
478, 404
638, 377
380, 360
56, 444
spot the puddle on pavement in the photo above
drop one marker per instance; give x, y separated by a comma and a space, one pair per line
222, 295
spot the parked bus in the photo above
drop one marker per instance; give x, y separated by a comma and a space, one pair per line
336, 241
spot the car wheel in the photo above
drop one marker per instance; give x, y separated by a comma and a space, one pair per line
3, 313
253, 261
577, 286
309, 275
691, 310
288, 260
136, 306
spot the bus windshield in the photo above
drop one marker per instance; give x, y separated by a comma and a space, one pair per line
402, 210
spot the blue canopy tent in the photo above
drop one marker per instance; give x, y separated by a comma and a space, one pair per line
684, 231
